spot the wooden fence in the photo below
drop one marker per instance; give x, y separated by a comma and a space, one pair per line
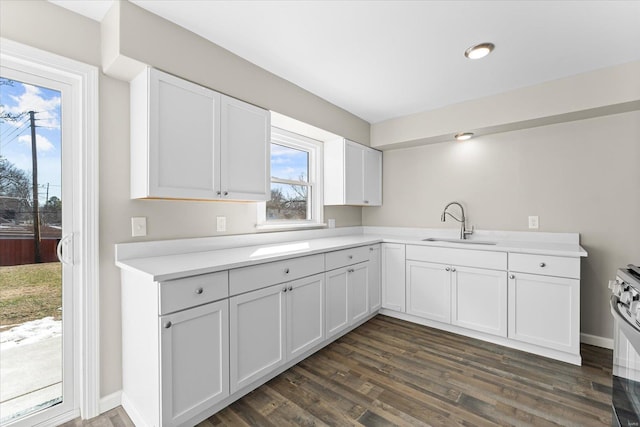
20, 251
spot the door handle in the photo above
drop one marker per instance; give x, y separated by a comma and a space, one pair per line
66, 256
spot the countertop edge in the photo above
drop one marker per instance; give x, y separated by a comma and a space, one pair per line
242, 259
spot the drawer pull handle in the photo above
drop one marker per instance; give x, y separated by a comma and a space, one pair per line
512, 276
351, 270
167, 325
447, 269
199, 291
542, 264
286, 271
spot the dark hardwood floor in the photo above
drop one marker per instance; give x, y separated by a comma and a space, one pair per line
391, 372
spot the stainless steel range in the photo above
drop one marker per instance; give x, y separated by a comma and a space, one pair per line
625, 307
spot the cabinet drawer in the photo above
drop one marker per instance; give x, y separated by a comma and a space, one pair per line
248, 279
346, 257
192, 291
545, 264
463, 257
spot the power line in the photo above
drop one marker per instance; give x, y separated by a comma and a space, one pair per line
15, 136
9, 131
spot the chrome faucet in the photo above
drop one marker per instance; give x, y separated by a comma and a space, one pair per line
463, 231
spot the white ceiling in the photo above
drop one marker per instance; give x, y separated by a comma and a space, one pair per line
385, 59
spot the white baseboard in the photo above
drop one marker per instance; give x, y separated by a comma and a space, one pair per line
110, 401
597, 341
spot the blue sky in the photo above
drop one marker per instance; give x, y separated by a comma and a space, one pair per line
288, 163
15, 137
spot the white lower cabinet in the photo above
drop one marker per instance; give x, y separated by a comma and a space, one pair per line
472, 298
346, 297
257, 334
375, 275
479, 299
545, 311
272, 325
194, 361
429, 291
393, 276
305, 314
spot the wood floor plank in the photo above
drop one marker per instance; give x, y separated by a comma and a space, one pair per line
389, 372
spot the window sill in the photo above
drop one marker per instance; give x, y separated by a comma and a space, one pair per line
289, 226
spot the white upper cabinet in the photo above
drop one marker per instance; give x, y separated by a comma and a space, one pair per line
244, 151
190, 142
352, 174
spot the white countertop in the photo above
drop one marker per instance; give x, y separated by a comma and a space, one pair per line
187, 261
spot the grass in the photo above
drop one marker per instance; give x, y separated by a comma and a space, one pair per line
30, 292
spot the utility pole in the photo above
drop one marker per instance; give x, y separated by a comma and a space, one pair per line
36, 204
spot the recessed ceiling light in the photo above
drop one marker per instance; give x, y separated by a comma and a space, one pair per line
463, 136
479, 51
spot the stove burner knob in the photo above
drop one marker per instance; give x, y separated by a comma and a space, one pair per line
625, 297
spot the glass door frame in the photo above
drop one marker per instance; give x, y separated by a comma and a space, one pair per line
78, 83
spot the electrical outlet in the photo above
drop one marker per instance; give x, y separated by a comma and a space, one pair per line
221, 223
331, 223
138, 226
534, 222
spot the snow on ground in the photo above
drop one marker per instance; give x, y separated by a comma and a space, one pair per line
30, 332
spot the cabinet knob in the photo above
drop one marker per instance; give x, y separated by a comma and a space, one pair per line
199, 291
226, 193
453, 269
512, 276
366, 202
371, 248
218, 193
351, 270
167, 325
350, 257
284, 289
447, 269
290, 288
286, 271
542, 264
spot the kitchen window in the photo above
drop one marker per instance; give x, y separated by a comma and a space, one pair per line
296, 182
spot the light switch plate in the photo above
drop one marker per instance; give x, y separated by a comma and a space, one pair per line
534, 222
221, 223
138, 226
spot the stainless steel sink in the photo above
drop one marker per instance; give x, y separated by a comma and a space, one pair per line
464, 242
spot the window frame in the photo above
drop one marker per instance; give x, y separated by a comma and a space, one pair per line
315, 212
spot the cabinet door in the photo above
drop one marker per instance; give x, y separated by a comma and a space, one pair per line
337, 310
429, 291
353, 173
393, 276
358, 291
480, 300
256, 334
184, 132
375, 270
244, 151
305, 314
372, 186
545, 311
194, 361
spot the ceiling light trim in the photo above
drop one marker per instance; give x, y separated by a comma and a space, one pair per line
479, 51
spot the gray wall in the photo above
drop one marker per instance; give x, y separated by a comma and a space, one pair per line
46, 26
580, 176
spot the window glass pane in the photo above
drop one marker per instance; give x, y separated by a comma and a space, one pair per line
289, 163
288, 202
